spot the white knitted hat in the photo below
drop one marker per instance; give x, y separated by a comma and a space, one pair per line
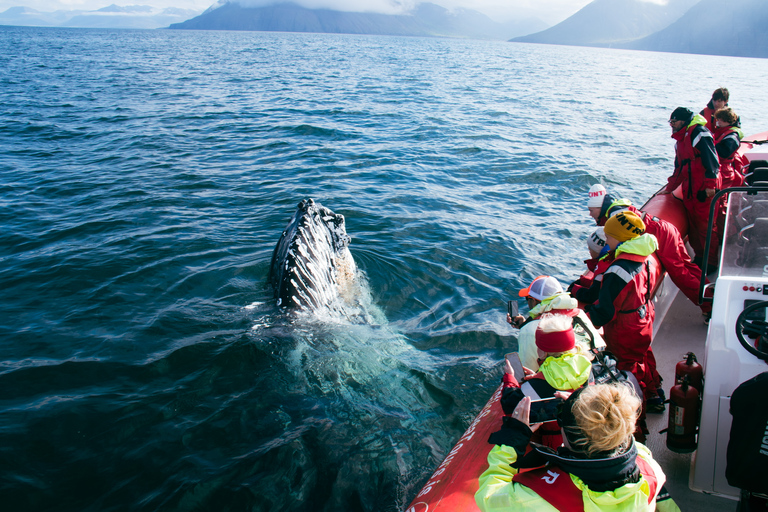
596, 195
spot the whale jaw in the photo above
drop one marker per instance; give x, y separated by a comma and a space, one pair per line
311, 265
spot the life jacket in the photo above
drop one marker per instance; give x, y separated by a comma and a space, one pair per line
633, 299
708, 113
689, 167
734, 163
556, 487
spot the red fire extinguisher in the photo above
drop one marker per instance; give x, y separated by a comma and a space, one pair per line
683, 417
690, 366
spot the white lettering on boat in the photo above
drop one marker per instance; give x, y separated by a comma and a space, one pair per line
469, 434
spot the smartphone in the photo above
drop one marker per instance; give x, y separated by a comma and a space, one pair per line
517, 366
544, 410
512, 308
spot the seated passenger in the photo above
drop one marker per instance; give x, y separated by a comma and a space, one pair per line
545, 295
596, 265
599, 467
563, 368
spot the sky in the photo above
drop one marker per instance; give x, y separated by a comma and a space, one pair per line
549, 11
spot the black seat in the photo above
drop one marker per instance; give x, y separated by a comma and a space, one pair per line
757, 172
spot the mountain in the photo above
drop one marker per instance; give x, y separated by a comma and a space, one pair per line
113, 16
27, 16
611, 22
425, 20
714, 27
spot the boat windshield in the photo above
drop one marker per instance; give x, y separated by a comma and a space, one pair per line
745, 241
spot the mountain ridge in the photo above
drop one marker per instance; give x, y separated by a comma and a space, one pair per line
427, 19
606, 23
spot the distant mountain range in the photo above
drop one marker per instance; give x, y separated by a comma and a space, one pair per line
134, 16
711, 27
611, 22
426, 19
714, 27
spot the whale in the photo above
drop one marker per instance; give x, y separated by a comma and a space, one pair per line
312, 268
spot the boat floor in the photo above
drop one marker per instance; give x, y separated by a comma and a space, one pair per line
682, 330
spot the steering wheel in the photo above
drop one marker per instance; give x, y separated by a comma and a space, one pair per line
753, 328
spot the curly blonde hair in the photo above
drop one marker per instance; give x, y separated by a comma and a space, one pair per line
605, 415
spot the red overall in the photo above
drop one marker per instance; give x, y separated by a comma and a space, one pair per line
709, 114
690, 173
675, 259
629, 334
730, 167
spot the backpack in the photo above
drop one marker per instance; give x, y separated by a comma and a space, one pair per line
604, 371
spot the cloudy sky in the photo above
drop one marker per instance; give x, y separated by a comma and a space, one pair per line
550, 11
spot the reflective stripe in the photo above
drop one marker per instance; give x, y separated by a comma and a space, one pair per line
702, 133
620, 272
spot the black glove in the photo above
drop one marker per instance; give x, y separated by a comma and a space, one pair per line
513, 433
510, 397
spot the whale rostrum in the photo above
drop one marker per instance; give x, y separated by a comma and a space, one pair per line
312, 268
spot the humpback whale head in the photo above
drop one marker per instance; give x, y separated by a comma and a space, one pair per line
312, 267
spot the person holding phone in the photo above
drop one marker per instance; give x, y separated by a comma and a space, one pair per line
563, 368
546, 295
599, 467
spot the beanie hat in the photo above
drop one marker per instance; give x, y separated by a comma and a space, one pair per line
681, 114
553, 342
596, 194
624, 226
596, 241
542, 288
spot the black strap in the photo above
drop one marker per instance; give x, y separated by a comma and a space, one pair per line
580, 322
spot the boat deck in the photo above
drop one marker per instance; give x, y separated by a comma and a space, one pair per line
680, 330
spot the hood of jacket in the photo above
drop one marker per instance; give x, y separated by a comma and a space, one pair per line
561, 301
566, 372
698, 119
644, 245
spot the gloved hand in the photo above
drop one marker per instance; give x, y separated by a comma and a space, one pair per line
510, 397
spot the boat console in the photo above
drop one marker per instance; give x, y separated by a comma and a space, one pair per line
736, 346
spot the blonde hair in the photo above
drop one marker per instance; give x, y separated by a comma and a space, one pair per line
606, 416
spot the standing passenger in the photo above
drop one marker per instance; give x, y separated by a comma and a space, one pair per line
624, 307
672, 253
719, 100
697, 170
728, 137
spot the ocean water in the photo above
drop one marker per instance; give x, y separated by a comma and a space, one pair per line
146, 176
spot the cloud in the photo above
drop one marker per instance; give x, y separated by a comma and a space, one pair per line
380, 6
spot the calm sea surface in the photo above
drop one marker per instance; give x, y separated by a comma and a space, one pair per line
145, 177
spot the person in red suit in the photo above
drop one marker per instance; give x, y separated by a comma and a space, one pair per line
697, 170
